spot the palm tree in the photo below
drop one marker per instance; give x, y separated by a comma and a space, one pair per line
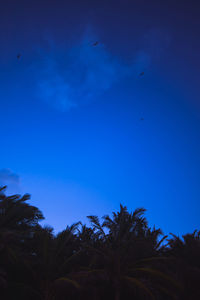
118, 257
123, 256
49, 261
16, 214
186, 252
17, 220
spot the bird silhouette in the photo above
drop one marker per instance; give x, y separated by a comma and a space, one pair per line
142, 73
95, 44
19, 56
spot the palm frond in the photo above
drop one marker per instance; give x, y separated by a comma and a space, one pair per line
138, 283
94, 220
160, 242
3, 188
68, 281
154, 259
159, 274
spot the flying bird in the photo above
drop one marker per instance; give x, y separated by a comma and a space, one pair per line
19, 56
142, 73
95, 44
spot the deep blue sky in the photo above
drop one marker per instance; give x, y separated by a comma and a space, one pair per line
71, 128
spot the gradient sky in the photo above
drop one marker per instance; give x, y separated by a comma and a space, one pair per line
71, 129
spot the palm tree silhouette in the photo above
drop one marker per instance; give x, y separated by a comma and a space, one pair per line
186, 252
118, 258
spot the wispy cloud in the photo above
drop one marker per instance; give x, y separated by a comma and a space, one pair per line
68, 78
10, 179
7, 176
79, 75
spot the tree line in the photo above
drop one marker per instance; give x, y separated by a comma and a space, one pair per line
116, 257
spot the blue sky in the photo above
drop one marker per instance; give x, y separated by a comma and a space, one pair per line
71, 128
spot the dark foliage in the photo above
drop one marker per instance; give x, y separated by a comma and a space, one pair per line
120, 257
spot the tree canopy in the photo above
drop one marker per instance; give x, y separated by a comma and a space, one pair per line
116, 257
